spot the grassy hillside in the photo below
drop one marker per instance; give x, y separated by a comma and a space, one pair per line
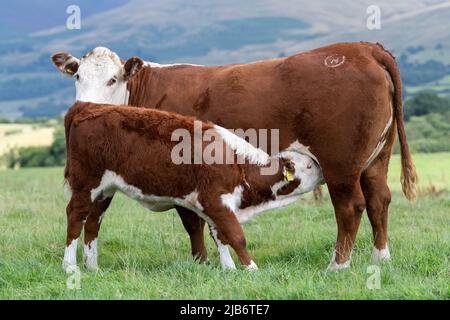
440, 86
145, 255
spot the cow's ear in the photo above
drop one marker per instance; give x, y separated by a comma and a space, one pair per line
132, 67
66, 63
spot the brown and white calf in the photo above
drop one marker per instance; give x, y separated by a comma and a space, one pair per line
126, 149
343, 101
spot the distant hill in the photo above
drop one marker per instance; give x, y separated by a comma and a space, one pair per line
21, 17
207, 32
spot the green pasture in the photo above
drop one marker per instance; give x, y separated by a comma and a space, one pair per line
145, 255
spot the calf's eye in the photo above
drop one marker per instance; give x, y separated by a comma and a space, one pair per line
111, 82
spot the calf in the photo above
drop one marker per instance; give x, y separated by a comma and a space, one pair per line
126, 149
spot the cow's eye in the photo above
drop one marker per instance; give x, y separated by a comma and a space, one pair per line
111, 82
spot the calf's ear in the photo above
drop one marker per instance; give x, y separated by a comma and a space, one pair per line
66, 63
289, 171
132, 67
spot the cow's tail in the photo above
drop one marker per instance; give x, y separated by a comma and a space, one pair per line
409, 175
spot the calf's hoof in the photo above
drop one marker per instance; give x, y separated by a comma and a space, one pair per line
69, 268
90, 262
252, 266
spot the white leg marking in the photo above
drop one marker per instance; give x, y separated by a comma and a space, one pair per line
225, 258
334, 266
100, 218
67, 190
70, 255
380, 143
380, 255
252, 266
90, 255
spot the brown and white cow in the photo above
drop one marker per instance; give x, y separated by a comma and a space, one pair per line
343, 101
121, 148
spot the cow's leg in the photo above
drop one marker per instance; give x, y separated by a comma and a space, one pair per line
378, 198
77, 211
229, 232
91, 228
349, 204
194, 226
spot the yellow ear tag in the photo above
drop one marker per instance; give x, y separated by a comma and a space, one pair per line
288, 176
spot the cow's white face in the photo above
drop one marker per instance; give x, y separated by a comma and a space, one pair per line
99, 76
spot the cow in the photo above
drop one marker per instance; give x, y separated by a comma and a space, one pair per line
127, 149
342, 101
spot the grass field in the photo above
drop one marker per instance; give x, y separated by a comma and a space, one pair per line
23, 135
145, 255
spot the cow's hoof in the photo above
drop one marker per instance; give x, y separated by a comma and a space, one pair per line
380, 255
334, 266
252, 266
228, 267
92, 267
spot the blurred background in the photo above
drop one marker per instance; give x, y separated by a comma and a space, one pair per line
33, 95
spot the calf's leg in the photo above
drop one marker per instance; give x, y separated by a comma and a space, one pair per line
194, 226
224, 254
91, 228
228, 231
77, 211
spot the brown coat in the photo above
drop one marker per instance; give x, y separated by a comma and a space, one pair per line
336, 111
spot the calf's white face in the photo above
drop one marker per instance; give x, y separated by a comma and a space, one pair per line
100, 76
306, 170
